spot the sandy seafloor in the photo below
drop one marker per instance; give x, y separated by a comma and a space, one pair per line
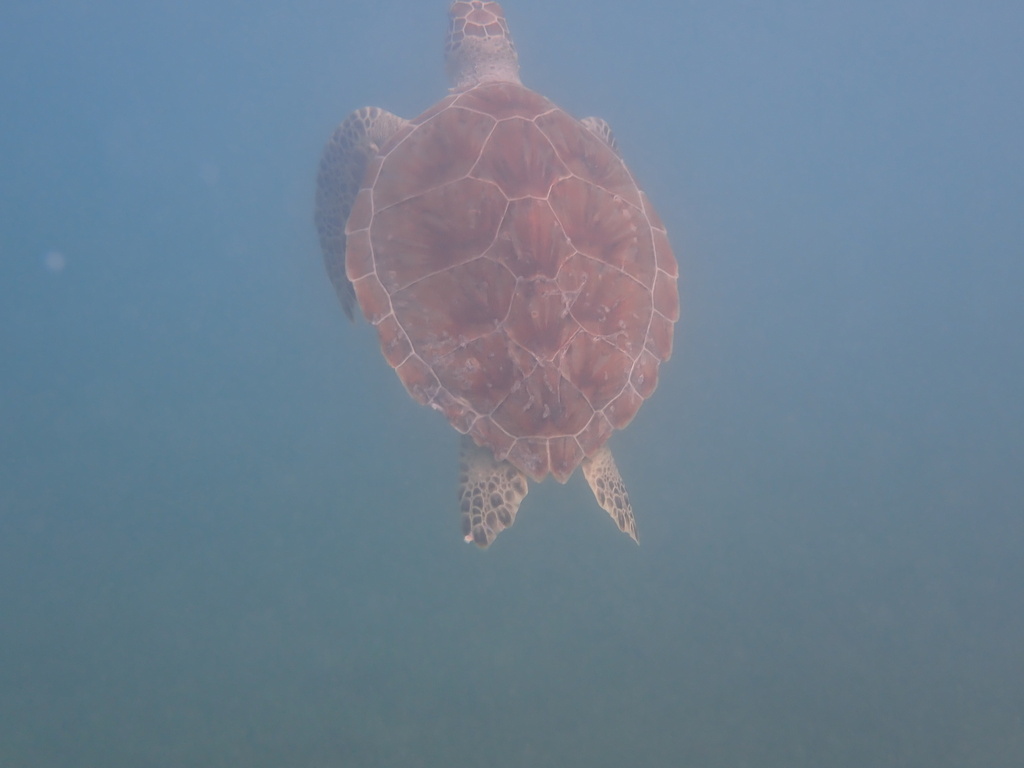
229, 538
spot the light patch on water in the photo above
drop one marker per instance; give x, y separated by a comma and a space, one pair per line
54, 261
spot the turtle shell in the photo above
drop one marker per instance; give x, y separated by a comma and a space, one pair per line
520, 282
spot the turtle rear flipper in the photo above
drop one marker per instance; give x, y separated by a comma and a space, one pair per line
490, 493
610, 490
343, 163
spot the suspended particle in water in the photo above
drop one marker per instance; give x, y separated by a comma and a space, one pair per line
54, 261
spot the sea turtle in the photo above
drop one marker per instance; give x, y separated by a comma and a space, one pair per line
519, 280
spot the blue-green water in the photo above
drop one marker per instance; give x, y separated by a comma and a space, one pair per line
229, 538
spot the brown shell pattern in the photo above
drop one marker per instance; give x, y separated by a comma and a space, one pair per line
519, 280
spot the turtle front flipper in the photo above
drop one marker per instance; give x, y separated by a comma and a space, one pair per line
490, 493
354, 142
600, 128
609, 489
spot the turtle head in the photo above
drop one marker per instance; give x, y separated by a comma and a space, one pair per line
479, 48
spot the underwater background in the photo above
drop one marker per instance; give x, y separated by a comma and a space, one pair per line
229, 538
